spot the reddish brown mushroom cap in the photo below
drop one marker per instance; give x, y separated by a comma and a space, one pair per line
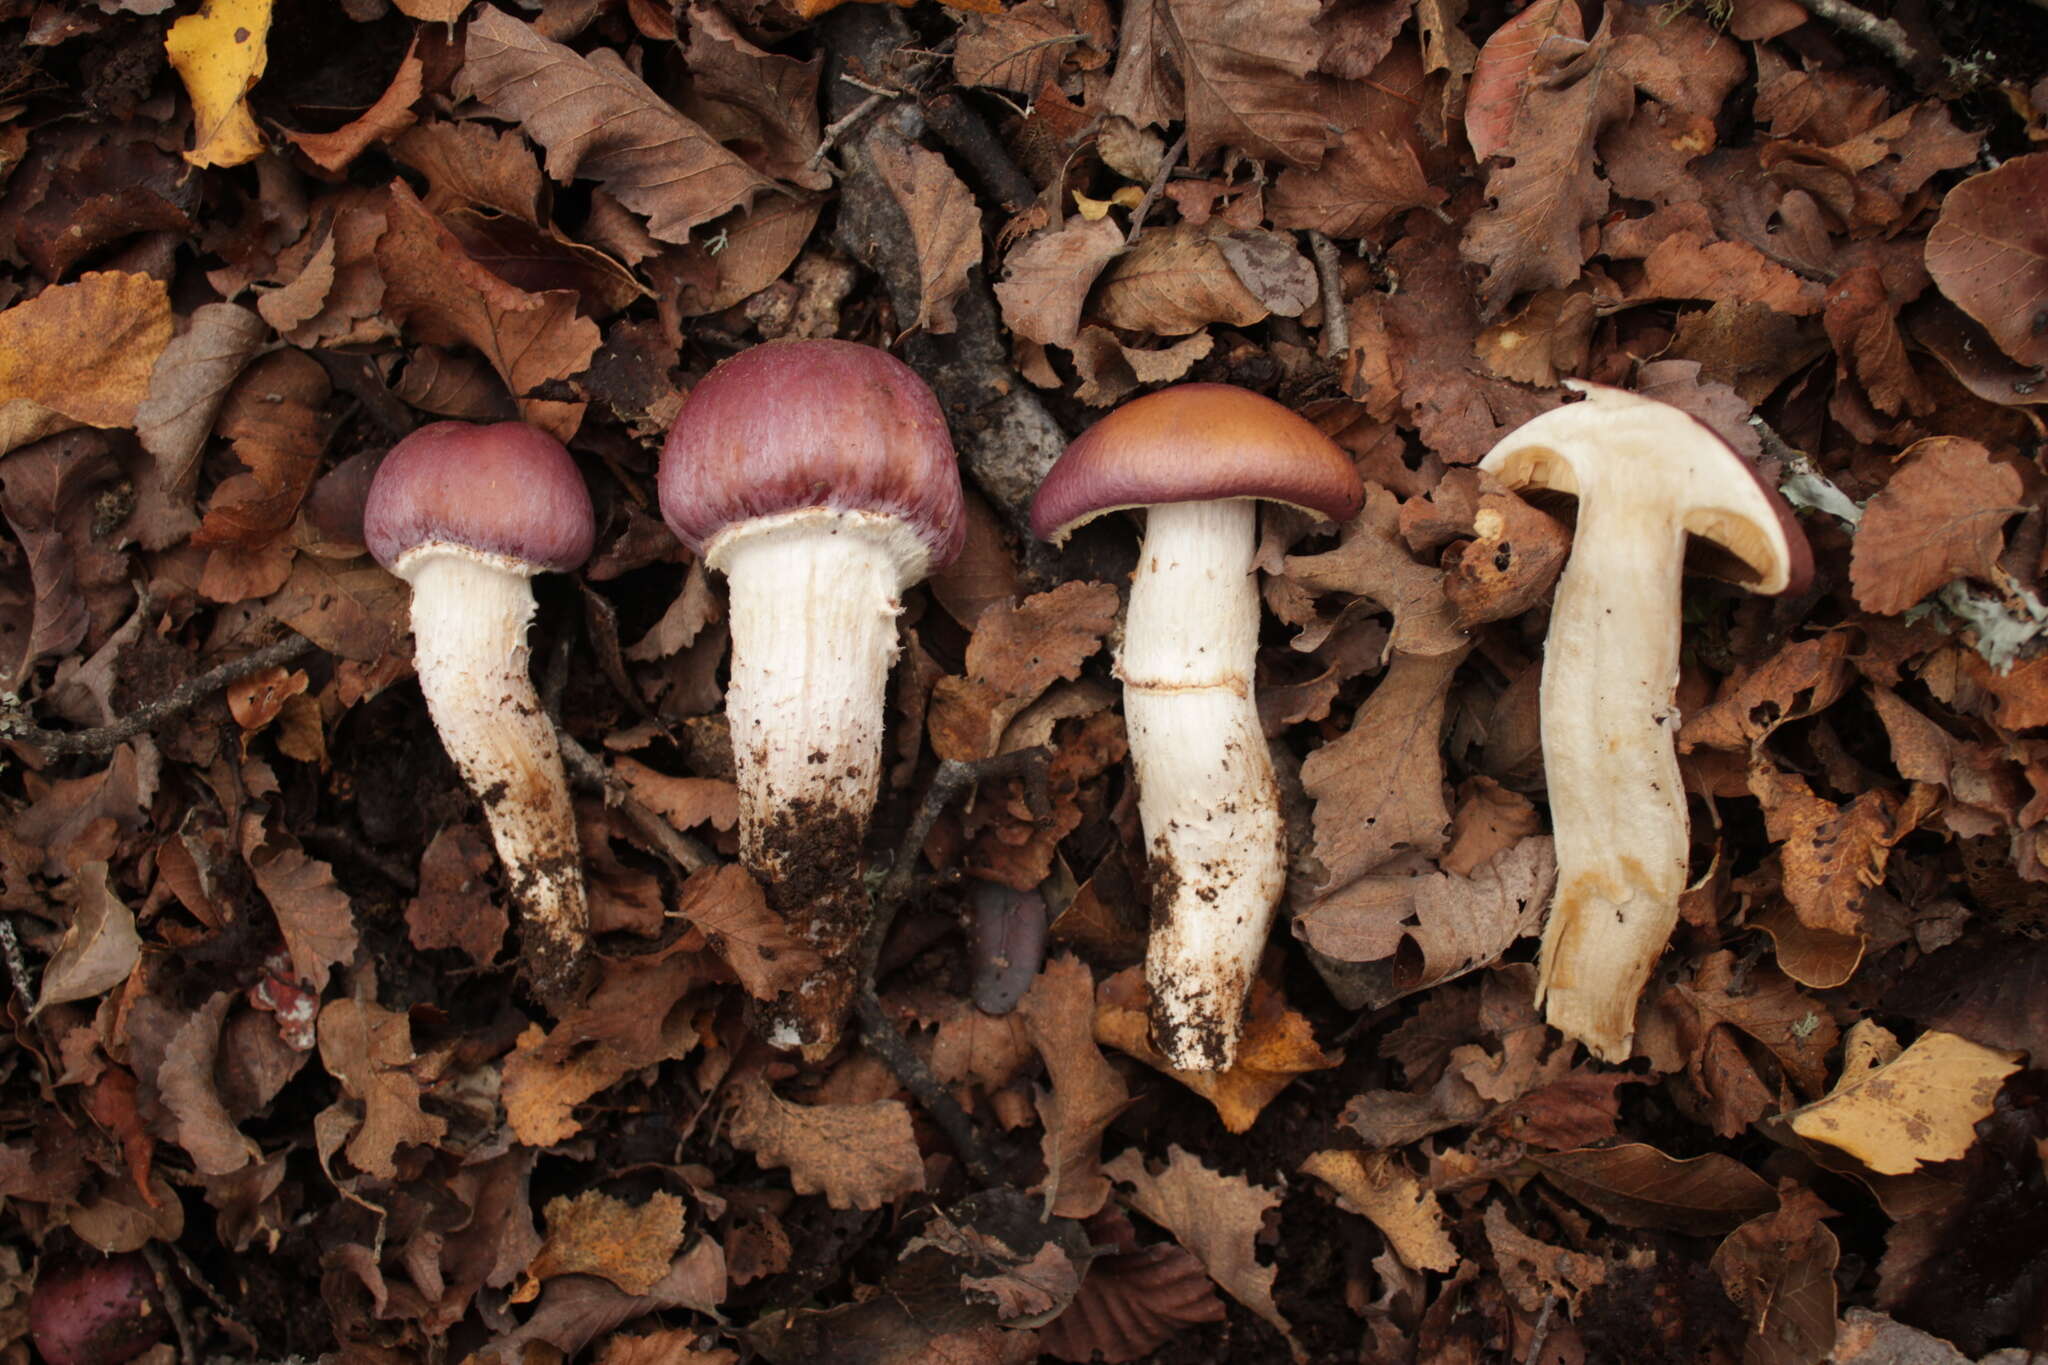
506, 490
1195, 443
791, 425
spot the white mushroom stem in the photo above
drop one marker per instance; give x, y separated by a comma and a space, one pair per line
470, 612
1206, 793
1617, 803
814, 596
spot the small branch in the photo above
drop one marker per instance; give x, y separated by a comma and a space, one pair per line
888, 1043
1886, 35
1540, 1333
174, 1304
839, 127
104, 739
949, 783
1336, 324
968, 135
588, 771
17, 963
1157, 187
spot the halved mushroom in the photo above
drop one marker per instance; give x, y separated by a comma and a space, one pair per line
1647, 476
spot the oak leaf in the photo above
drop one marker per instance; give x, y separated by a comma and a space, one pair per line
369, 1050
1217, 1217
593, 1233
1086, 1091
1378, 1186
859, 1156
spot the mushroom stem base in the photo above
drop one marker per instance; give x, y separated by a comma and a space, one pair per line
1206, 792
814, 598
469, 618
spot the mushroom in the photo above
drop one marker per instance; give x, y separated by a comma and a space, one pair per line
467, 515
1646, 475
1196, 456
818, 477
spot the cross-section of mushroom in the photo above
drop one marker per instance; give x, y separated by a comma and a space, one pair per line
468, 515
818, 477
1647, 476
1197, 457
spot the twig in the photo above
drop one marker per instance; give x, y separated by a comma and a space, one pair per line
1886, 35
17, 964
883, 1039
686, 853
103, 739
952, 779
838, 127
174, 1304
1157, 187
1540, 1332
1336, 324
961, 129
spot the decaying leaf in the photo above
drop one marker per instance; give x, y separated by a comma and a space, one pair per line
858, 1156
1921, 1106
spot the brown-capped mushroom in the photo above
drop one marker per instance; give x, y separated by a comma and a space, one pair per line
1197, 457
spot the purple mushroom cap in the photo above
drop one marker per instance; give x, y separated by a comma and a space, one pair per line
791, 425
506, 489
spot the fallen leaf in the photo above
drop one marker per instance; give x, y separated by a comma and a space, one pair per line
1378, 1186
1921, 1107
1277, 1047
220, 53
1047, 278
859, 1156
1939, 517
368, 1049
1173, 281
99, 948
391, 115
945, 225
454, 907
601, 122
593, 1233
763, 951
1217, 1217
1086, 1091
190, 381
1637, 1186
80, 354
1132, 1301
1988, 251
1779, 1268
313, 912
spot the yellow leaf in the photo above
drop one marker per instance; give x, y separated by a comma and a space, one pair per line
220, 53
1382, 1189
1921, 1106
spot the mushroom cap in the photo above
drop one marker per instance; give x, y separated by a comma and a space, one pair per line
790, 425
506, 489
1195, 443
1668, 461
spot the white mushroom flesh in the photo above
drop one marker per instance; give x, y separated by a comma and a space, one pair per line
814, 596
470, 613
1206, 792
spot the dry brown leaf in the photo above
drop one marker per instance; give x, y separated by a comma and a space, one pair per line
763, 102
313, 912
543, 1085
1016, 653
1173, 281
1637, 1186
204, 1128
445, 297
99, 948
1086, 1092
1047, 278
593, 1233
1378, 787
1988, 251
1922, 1106
1831, 855
1276, 1047
391, 115
1132, 1301
1779, 1268
1501, 79
1217, 1217
859, 1156
1378, 1186
1530, 238
188, 385
764, 952
80, 354
944, 223
454, 907
1939, 517
600, 122
1240, 74
368, 1049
